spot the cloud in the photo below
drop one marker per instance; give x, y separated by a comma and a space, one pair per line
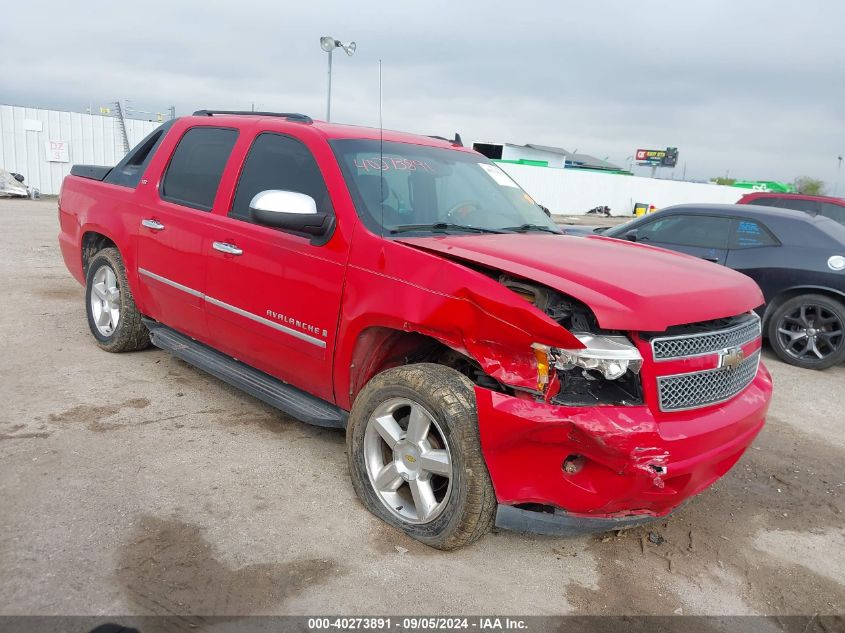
752, 88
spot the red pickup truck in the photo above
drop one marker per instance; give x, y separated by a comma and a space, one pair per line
485, 367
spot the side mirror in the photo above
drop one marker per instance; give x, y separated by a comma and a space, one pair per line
631, 236
545, 210
289, 210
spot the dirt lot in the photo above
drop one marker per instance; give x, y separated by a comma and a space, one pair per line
137, 484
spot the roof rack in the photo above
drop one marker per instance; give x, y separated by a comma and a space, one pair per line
454, 141
290, 116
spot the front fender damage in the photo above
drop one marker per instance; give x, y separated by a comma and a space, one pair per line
473, 315
497, 332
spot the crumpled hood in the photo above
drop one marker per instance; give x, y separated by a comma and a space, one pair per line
628, 286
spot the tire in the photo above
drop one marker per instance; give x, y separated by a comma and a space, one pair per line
413, 396
809, 331
112, 316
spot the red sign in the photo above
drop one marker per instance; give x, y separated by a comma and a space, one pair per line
650, 155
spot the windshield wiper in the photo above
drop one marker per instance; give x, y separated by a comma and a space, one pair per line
524, 228
443, 226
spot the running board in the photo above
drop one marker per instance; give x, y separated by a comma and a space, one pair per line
274, 392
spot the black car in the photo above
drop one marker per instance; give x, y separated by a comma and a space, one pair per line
798, 260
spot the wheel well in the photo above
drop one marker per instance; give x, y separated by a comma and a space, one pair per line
381, 348
786, 295
93, 243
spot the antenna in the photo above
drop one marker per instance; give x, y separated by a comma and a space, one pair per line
380, 150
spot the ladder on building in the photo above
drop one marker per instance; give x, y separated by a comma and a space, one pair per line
121, 125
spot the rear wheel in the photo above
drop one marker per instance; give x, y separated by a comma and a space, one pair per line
112, 316
809, 331
415, 457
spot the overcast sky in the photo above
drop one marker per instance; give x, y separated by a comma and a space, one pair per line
756, 89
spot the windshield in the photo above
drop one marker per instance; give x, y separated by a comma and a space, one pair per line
619, 229
400, 187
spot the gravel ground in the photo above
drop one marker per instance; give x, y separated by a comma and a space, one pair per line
135, 484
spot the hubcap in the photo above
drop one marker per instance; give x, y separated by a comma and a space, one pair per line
810, 333
408, 460
105, 300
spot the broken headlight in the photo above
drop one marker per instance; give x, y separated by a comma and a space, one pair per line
611, 356
605, 371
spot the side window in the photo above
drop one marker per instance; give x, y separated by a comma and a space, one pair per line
279, 162
702, 231
128, 171
834, 212
196, 166
766, 201
809, 206
751, 234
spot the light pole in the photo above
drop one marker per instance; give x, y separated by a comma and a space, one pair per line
328, 44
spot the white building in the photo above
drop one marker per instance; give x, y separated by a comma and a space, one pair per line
42, 145
552, 156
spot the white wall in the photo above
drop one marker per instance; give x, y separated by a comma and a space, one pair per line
575, 191
92, 139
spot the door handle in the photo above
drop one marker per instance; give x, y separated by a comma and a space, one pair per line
155, 225
229, 249
715, 260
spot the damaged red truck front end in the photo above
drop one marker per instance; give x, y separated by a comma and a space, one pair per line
569, 450
406, 289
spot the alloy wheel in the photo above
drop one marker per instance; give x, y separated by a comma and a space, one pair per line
408, 460
811, 332
105, 300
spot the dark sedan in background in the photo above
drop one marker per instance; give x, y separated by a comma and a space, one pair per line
797, 259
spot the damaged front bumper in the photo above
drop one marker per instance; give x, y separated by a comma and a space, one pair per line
556, 522
563, 470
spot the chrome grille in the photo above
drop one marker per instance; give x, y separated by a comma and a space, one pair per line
685, 345
703, 388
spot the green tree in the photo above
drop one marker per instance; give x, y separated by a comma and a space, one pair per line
810, 186
719, 180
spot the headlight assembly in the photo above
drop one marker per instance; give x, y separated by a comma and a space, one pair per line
611, 356
605, 371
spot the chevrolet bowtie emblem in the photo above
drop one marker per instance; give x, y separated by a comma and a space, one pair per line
411, 459
731, 358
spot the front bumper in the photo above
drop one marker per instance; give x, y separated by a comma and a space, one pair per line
560, 523
635, 465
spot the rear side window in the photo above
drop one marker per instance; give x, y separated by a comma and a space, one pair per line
701, 231
834, 212
196, 166
808, 206
128, 172
279, 162
767, 202
751, 234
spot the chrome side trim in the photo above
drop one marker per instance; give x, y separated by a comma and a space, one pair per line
249, 315
276, 326
173, 284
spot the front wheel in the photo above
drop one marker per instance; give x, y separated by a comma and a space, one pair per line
809, 331
415, 456
112, 316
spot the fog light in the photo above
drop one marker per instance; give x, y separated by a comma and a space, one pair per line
573, 464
